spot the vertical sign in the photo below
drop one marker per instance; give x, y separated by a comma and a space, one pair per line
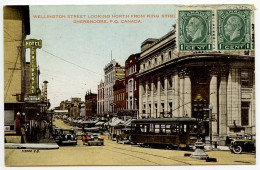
33, 44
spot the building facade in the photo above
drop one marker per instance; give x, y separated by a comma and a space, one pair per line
100, 99
113, 71
74, 108
131, 82
170, 82
119, 95
91, 104
16, 28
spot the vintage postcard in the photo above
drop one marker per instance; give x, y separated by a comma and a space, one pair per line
91, 85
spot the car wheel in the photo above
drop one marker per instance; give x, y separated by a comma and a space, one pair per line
237, 149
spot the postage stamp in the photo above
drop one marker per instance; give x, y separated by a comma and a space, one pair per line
234, 29
195, 30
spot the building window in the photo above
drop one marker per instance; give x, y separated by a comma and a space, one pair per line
170, 105
170, 82
162, 57
245, 113
162, 83
144, 108
155, 60
162, 104
170, 54
155, 106
155, 86
246, 79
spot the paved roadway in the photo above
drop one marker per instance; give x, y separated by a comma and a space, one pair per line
116, 154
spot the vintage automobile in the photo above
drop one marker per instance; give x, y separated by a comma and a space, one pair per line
124, 137
66, 136
92, 137
242, 145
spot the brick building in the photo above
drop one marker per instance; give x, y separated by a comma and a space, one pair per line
131, 82
91, 104
119, 95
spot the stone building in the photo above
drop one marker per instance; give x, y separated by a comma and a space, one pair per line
131, 82
100, 99
170, 82
119, 95
91, 104
113, 71
74, 108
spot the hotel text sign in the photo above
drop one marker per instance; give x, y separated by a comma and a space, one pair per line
33, 44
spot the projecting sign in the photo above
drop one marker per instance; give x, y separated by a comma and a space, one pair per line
33, 44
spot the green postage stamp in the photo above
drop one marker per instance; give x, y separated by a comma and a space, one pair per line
234, 29
195, 30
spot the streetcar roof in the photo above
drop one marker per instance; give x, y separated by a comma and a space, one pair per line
161, 120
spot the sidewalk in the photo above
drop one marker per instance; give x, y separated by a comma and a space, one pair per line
43, 143
31, 146
219, 148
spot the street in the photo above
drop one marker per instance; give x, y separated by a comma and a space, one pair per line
116, 154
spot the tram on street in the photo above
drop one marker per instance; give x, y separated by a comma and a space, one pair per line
173, 133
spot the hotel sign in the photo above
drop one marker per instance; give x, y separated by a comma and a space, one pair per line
33, 44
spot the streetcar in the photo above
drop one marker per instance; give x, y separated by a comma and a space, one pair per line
173, 133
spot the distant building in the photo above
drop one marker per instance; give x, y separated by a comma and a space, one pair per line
100, 99
91, 104
74, 110
131, 82
113, 71
119, 95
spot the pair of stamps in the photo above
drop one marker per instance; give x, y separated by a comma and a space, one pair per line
196, 31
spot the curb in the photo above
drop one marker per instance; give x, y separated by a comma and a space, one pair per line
31, 146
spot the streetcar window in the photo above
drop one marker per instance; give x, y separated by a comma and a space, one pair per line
193, 129
185, 128
157, 128
168, 129
162, 129
151, 128
143, 128
175, 129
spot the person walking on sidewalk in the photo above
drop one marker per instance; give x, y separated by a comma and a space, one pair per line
44, 132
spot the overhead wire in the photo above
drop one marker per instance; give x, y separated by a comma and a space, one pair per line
71, 63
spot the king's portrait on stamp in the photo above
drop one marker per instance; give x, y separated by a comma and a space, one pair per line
234, 27
195, 30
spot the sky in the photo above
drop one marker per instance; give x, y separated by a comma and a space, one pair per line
73, 56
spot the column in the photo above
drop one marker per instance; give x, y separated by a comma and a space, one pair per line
223, 107
187, 96
152, 100
158, 97
214, 101
181, 97
176, 96
140, 98
166, 104
146, 99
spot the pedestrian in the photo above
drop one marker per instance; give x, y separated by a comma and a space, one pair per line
50, 130
44, 132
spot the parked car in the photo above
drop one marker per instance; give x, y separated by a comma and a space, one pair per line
92, 137
66, 136
242, 145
